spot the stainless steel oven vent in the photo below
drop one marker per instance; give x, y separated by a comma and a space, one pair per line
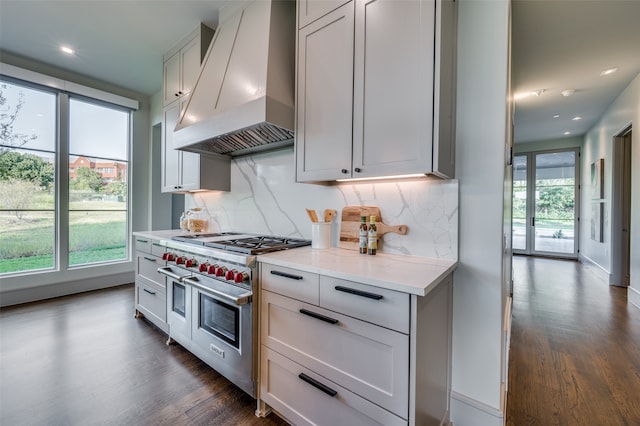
256, 138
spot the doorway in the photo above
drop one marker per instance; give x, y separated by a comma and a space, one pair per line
621, 209
545, 203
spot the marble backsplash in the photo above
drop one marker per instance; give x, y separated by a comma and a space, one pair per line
265, 198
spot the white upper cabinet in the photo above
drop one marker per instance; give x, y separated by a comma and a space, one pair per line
397, 118
185, 171
182, 64
325, 97
310, 10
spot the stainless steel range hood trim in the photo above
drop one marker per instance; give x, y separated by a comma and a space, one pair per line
225, 122
263, 111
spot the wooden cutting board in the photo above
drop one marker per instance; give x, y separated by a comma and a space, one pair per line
350, 225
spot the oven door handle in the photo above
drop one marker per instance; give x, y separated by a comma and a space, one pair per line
243, 299
167, 271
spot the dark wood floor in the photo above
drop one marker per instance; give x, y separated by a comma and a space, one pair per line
84, 360
575, 348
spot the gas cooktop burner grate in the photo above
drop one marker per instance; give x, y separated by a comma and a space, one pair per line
259, 244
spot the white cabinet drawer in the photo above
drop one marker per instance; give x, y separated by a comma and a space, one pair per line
293, 283
380, 306
147, 268
153, 299
157, 249
306, 398
370, 361
143, 244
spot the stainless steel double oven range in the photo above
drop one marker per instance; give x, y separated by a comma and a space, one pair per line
212, 280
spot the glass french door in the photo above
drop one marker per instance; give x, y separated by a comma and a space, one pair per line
545, 203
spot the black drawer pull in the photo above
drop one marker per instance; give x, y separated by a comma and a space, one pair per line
319, 316
150, 259
316, 384
142, 241
359, 292
153, 293
285, 275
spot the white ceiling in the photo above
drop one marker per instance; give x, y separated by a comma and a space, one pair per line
565, 44
557, 45
117, 41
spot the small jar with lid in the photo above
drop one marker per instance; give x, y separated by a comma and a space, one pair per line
184, 221
197, 222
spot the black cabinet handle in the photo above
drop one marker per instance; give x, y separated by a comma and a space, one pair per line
153, 293
285, 275
359, 292
150, 259
319, 316
344, 171
316, 384
357, 170
142, 241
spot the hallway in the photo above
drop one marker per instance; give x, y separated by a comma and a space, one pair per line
575, 347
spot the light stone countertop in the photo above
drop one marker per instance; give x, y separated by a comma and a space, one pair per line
408, 274
160, 235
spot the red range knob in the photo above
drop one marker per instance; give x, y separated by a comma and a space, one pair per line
221, 271
191, 263
180, 260
211, 270
203, 267
165, 255
230, 274
241, 277
170, 257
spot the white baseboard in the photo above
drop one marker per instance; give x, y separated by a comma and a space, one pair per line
32, 294
467, 411
598, 269
633, 297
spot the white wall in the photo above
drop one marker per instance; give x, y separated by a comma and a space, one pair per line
44, 285
563, 143
265, 198
479, 298
599, 144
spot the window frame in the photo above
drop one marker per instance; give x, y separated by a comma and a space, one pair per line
61, 173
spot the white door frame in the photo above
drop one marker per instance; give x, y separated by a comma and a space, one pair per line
621, 208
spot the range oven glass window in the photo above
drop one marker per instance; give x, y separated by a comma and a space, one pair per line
179, 300
220, 319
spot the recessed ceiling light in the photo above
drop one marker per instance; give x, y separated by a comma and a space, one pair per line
567, 133
608, 71
67, 50
576, 118
568, 92
556, 116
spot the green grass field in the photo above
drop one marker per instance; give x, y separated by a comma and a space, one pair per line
27, 243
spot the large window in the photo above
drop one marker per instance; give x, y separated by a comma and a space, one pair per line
49, 220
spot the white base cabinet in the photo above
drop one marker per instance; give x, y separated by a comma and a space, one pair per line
150, 286
344, 352
304, 397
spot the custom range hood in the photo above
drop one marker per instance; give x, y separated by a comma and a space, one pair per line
243, 100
